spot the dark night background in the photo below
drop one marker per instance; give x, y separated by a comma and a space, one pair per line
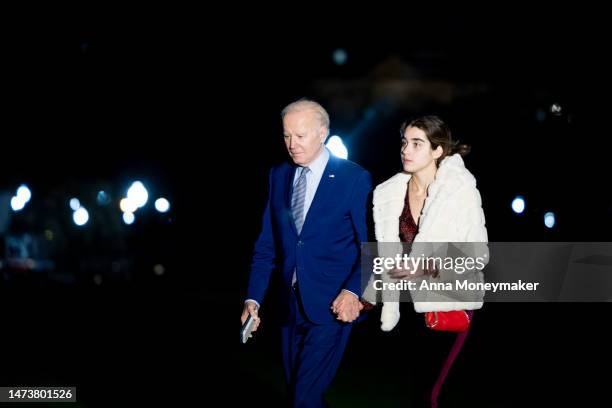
190, 105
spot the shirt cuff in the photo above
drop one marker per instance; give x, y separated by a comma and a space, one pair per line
352, 293
254, 301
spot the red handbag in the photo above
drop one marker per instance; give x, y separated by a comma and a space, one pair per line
456, 321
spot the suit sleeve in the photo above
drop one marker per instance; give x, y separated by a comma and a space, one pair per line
264, 255
358, 210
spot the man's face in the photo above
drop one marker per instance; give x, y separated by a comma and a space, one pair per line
304, 136
416, 150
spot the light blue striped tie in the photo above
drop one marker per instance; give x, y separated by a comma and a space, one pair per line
297, 200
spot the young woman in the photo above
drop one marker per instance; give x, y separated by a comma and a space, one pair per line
434, 200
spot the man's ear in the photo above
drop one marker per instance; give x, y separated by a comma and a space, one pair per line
323, 134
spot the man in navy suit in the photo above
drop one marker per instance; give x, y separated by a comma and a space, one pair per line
313, 223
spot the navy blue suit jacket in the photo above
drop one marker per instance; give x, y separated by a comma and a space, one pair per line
326, 255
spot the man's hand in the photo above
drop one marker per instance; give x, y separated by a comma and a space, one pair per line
250, 308
347, 306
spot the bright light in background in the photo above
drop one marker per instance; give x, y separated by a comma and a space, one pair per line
556, 109
80, 216
21, 198
128, 218
24, 194
162, 205
335, 145
103, 198
518, 204
127, 205
138, 194
549, 219
17, 204
159, 269
75, 204
340, 56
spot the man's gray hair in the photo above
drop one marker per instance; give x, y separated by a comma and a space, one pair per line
303, 104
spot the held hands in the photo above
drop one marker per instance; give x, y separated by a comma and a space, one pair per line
346, 306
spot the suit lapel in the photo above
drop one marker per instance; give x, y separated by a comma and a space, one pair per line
325, 188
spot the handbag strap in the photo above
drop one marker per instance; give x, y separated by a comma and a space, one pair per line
454, 352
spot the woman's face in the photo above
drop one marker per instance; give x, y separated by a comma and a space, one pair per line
416, 152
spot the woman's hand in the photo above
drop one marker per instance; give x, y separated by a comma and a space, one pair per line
404, 273
409, 273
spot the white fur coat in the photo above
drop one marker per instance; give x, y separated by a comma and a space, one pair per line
452, 213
